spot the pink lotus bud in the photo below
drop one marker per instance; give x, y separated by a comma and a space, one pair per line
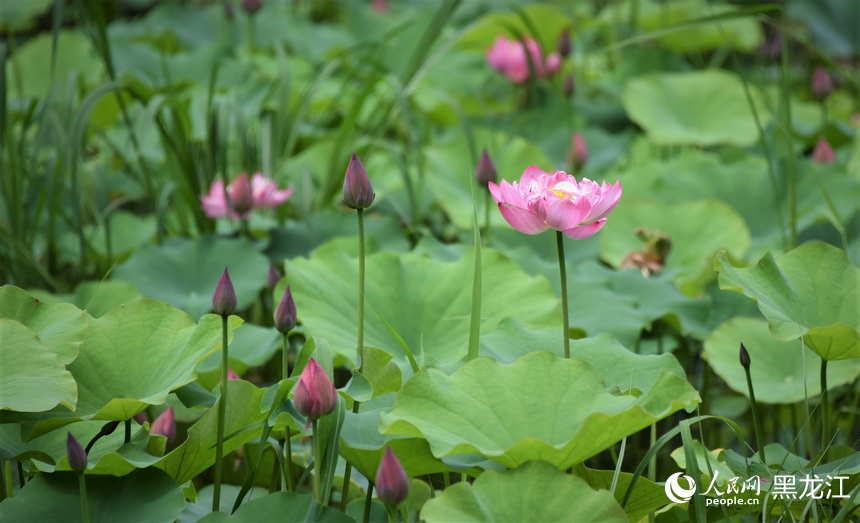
486, 169
241, 196
141, 417
822, 83
315, 395
285, 314
274, 276
744, 357
224, 297
76, 454
564, 46
380, 6
569, 86
823, 152
579, 150
165, 425
392, 485
252, 6
231, 375
357, 190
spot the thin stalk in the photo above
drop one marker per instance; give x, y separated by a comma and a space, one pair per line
20, 473
128, 431
367, 502
559, 237
85, 511
222, 413
285, 363
756, 423
7, 477
488, 200
2, 479
288, 461
853, 416
317, 463
825, 409
652, 464
786, 123
251, 32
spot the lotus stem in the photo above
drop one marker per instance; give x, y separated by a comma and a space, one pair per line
825, 408
564, 311
756, 423
288, 460
489, 198
318, 466
222, 414
85, 512
368, 499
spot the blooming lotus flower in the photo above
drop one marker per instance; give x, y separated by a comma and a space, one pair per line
285, 313
485, 172
315, 395
823, 152
242, 197
357, 189
165, 425
540, 201
392, 485
509, 58
76, 454
224, 297
822, 83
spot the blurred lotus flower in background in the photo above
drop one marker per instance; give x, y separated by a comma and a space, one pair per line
578, 150
540, 201
392, 484
564, 46
357, 189
165, 425
509, 58
569, 86
380, 6
274, 276
140, 417
252, 6
823, 152
76, 454
231, 374
229, 12
242, 197
486, 172
822, 83
315, 395
224, 297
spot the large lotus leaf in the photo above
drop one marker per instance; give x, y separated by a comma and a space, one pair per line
61, 327
542, 16
426, 302
252, 346
133, 357
27, 74
646, 497
536, 491
146, 495
32, 378
812, 291
700, 108
126, 232
777, 366
21, 14
833, 24
96, 297
698, 229
184, 273
539, 407
279, 506
620, 368
197, 452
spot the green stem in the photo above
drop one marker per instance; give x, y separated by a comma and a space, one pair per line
85, 511
288, 460
2, 479
367, 502
244, 231
488, 197
758, 438
127, 431
825, 409
786, 126
317, 464
222, 414
285, 363
559, 237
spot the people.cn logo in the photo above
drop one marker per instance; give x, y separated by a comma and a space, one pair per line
677, 493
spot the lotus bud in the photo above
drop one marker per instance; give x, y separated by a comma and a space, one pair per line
744, 357
315, 395
564, 46
224, 297
285, 314
251, 6
357, 190
569, 86
76, 454
231, 374
241, 195
823, 152
140, 417
486, 169
392, 485
274, 276
579, 150
229, 13
822, 83
165, 425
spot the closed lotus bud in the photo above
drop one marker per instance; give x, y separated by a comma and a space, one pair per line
231, 374
241, 196
285, 314
357, 190
76, 454
569, 86
579, 150
165, 425
392, 485
229, 13
140, 417
274, 276
315, 395
823, 152
744, 357
251, 6
822, 83
486, 169
564, 46
224, 297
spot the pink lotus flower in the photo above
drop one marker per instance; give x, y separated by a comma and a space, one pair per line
392, 484
165, 425
823, 152
509, 58
315, 395
822, 83
242, 197
540, 201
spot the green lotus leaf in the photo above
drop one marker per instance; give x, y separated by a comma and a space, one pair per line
425, 301
74, 56
279, 506
96, 297
700, 108
539, 407
61, 327
126, 232
184, 273
32, 377
146, 496
536, 491
698, 230
776, 366
134, 356
646, 497
812, 291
